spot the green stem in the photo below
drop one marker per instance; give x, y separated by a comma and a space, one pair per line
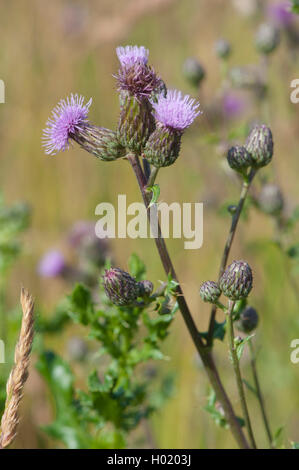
236, 366
259, 393
152, 177
230, 238
203, 351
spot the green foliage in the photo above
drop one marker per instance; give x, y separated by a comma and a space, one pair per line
13, 221
155, 190
295, 6
118, 394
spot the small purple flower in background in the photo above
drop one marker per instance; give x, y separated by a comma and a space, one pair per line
175, 110
52, 264
280, 14
90, 247
131, 55
232, 105
68, 117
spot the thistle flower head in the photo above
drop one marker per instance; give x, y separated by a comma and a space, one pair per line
131, 55
121, 288
248, 320
259, 144
210, 291
145, 288
134, 75
68, 117
193, 71
236, 281
175, 110
138, 80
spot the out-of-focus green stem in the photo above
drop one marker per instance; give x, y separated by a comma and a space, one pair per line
236, 366
259, 393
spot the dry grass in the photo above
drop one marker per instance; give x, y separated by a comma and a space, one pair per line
19, 373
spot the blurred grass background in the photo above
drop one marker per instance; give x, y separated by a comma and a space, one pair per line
50, 49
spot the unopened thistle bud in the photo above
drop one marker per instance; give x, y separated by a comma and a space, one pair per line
145, 288
210, 292
137, 81
271, 199
248, 320
239, 158
121, 288
236, 281
259, 144
267, 38
223, 48
101, 142
174, 114
193, 71
69, 122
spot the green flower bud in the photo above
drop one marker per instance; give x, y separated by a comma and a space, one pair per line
239, 158
267, 38
163, 146
121, 288
223, 48
271, 199
136, 121
259, 144
145, 288
236, 281
193, 71
248, 320
101, 142
210, 292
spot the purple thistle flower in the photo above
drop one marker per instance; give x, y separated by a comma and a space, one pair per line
232, 105
131, 55
52, 264
68, 117
175, 110
280, 14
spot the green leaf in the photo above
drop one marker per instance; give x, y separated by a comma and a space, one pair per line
241, 345
277, 436
81, 305
67, 427
155, 190
215, 411
250, 387
136, 267
295, 6
293, 251
295, 445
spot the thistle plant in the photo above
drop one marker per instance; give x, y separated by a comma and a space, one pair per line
150, 130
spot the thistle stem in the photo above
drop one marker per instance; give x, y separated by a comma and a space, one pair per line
235, 219
259, 393
236, 366
203, 351
152, 177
